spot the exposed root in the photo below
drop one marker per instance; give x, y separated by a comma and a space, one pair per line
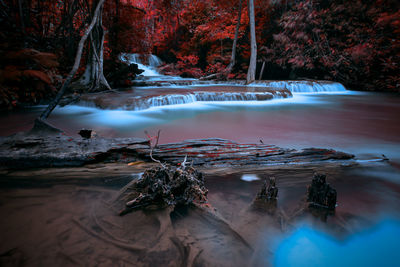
195, 258
164, 186
165, 224
184, 251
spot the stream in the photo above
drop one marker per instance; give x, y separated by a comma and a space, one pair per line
316, 115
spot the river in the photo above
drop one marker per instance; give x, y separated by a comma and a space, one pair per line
362, 123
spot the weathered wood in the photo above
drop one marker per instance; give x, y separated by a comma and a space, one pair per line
233, 56
251, 72
61, 150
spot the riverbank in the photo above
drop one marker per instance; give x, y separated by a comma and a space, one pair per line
68, 216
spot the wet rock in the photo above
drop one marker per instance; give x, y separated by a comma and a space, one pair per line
165, 186
85, 133
320, 194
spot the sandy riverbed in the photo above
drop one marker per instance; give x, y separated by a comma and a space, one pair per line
63, 217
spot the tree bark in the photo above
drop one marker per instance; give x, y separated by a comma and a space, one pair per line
233, 56
22, 21
262, 71
75, 67
251, 72
93, 77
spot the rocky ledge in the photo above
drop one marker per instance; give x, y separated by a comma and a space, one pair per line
31, 151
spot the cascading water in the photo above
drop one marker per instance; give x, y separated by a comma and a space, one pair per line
305, 86
153, 77
150, 70
131, 101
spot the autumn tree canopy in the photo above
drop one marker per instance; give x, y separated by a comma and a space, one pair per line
355, 42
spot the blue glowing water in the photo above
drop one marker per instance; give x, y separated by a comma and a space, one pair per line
377, 246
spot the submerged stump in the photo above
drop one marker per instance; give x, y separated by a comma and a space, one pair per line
320, 194
266, 199
165, 186
268, 192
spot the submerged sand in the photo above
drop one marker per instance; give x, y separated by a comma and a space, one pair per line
68, 217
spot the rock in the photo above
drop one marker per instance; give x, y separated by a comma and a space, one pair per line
320, 194
85, 133
165, 186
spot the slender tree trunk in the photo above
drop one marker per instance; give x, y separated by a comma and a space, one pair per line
251, 72
22, 21
114, 32
75, 67
93, 77
233, 56
262, 71
21, 16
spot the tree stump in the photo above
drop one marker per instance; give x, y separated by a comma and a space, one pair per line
165, 186
320, 194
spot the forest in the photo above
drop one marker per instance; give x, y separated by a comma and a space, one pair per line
199, 133
355, 42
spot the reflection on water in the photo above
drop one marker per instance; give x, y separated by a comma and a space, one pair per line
360, 123
249, 177
377, 246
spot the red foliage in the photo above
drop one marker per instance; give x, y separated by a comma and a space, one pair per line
355, 42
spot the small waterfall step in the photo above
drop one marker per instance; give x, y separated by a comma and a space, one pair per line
133, 101
295, 86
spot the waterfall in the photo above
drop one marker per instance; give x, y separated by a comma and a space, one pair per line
306, 86
150, 69
175, 99
141, 103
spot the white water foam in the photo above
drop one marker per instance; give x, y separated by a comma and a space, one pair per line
305, 86
150, 70
249, 177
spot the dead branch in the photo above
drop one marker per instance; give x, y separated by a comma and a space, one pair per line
156, 138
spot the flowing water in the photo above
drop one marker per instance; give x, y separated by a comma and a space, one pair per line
317, 114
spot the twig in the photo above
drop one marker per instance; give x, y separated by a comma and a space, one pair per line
157, 137
183, 164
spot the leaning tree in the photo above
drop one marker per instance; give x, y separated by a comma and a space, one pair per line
95, 33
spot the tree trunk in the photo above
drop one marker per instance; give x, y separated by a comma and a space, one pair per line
93, 77
233, 56
21, 17
78, 56
262, 71
114, 32
251, 72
